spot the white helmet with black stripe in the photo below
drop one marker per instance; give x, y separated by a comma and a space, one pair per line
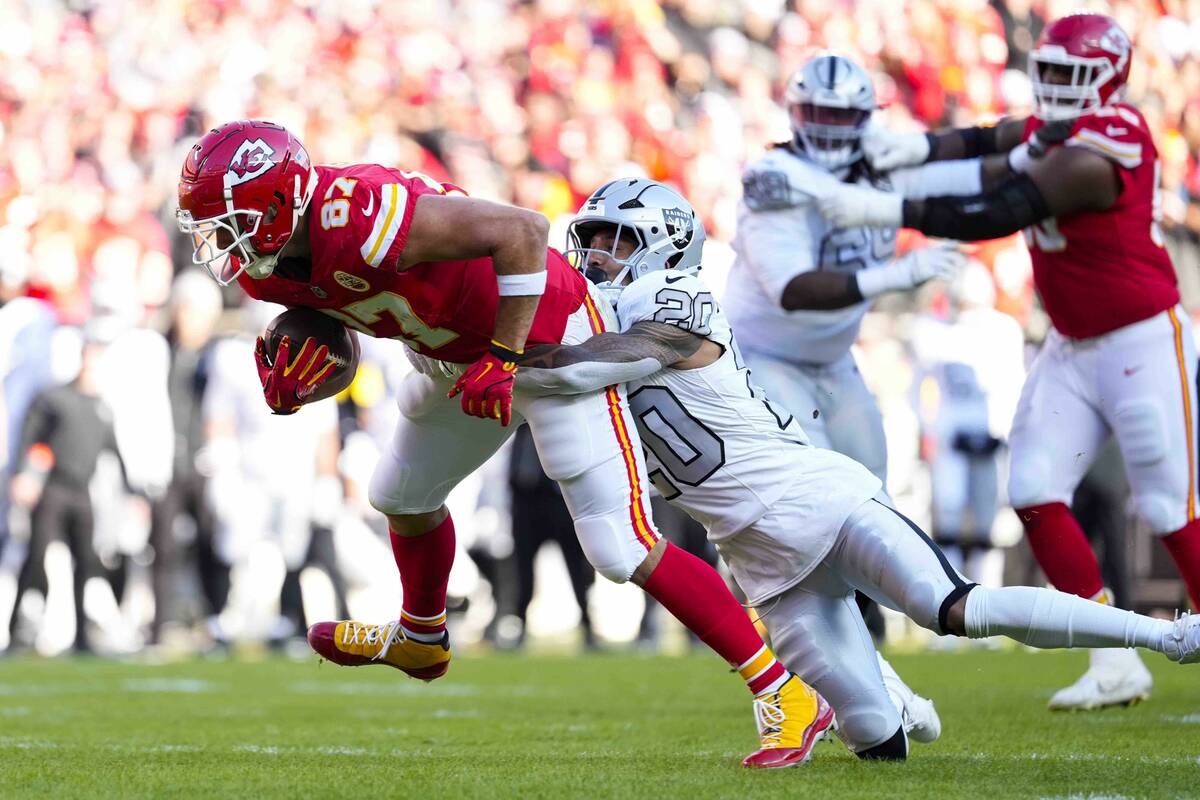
667, 232
829, 101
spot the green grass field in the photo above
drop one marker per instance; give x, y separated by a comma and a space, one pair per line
600, 726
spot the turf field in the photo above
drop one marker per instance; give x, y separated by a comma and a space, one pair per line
599, 726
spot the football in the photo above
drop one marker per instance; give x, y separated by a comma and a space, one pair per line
300, 323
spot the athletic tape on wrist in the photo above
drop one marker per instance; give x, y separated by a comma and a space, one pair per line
533, 283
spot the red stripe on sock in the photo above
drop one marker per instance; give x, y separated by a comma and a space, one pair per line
1184, 547
696, 596
773, 673
1061, 549
424, 562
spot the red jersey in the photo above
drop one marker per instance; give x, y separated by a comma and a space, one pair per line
1097, 271
358, 224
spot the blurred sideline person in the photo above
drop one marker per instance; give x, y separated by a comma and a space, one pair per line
1082, 178
465, 284
65, 431
271, 479
801, 527
26, 328
539, 516
195, 306
973, 363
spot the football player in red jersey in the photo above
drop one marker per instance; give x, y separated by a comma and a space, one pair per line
466, 284
1081, 178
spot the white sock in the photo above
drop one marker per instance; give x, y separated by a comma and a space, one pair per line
1047, 618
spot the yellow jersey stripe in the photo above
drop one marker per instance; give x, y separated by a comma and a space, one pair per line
1187, 414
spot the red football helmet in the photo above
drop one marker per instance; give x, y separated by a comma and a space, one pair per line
236, 187
1079, 64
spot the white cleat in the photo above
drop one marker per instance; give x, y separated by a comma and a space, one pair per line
1115, 677
1182, 644
920, 718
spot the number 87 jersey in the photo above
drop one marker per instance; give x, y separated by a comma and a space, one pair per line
714, 445
357, 226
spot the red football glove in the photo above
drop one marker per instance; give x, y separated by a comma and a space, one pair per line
288, 381
487, 385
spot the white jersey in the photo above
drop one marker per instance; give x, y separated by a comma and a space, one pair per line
781, 234
718, 449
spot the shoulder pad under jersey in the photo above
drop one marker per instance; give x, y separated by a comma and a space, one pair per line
782, 179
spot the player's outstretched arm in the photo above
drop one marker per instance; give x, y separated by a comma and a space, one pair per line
606, 359
1064, 181
1067, 180
887, 150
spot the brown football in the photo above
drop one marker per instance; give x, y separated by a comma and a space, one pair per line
300, 323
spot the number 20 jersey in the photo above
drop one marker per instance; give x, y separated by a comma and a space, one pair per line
1097, 271
358, 225
714, 445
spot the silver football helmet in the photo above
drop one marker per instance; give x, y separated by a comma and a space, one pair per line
665, 226
829, 101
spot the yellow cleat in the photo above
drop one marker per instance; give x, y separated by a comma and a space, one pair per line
355, 644
790, 722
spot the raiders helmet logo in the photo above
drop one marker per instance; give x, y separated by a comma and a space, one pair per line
252, 159
679, 226
351, 282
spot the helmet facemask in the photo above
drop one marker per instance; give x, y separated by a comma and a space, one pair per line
217, 238
831, 136
581, 234
232, 233
1067, 86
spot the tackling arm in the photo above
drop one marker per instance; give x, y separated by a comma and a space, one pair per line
451, 228
606, 359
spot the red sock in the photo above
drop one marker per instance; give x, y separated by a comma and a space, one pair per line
1061, 549
1184, 547
696, 596
424, 562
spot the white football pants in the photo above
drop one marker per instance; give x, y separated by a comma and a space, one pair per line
1137, 383
587, 443
818, 633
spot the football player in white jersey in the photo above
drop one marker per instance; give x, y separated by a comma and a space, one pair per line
799, 287
800, 527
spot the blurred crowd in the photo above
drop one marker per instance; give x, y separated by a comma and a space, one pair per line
179, 504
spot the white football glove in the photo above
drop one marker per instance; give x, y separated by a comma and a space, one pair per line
849, 206
886, 150
942, 260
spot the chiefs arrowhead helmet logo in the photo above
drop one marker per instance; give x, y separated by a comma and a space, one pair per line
252, 159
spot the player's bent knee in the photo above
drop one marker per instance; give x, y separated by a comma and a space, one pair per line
610, 546
922, 600
390, 491
1029, 481
1161, 512
895, 748
866, 726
